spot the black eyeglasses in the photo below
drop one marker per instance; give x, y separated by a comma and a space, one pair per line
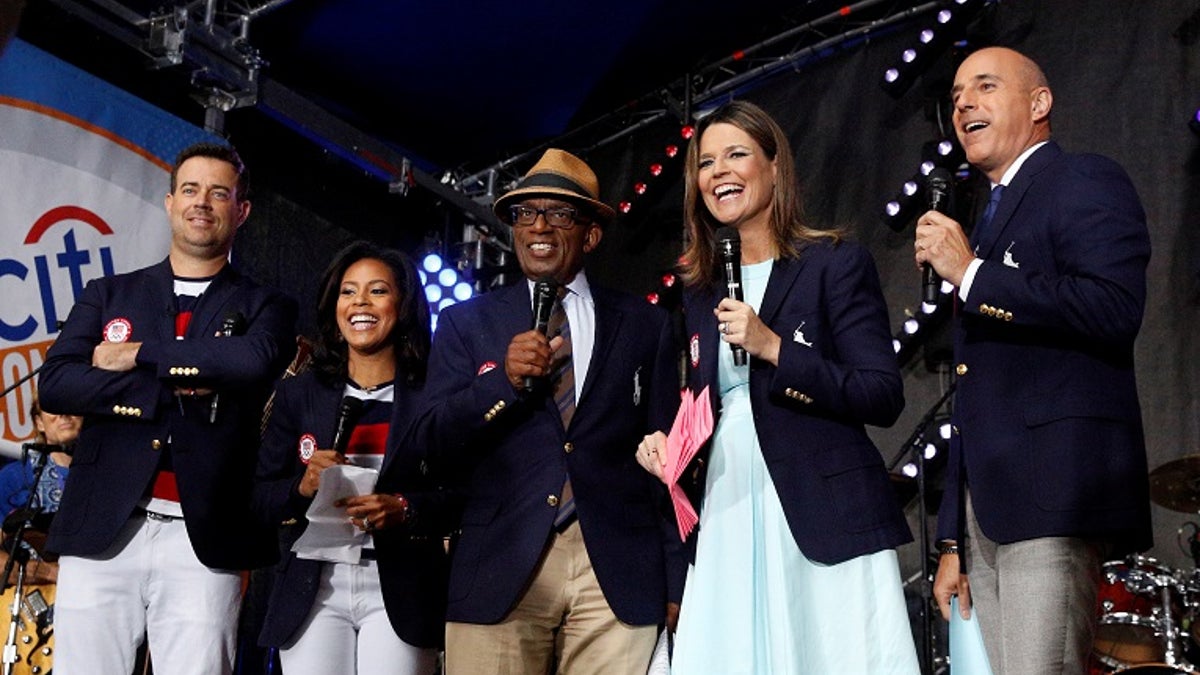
561, 217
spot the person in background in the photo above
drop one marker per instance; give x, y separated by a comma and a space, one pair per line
562, 564
794, 564
55, 434
386, 612
58, 432
170, 367
1047, 470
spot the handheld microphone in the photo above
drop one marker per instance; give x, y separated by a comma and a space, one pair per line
348, 412
545, 292
729, 247
937, 189
233, 324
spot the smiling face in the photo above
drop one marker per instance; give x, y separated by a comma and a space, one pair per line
1001, 108
368, 306
549, 251
205, 210
735, 177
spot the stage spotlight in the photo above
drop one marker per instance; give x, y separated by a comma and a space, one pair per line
447, 277
904, 205
944, 152
432, 263
931, 42
463, 291
945, 430
931, 450
911, 326
446, 302
909, 470
433, 293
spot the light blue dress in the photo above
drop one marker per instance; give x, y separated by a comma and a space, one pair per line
753, 603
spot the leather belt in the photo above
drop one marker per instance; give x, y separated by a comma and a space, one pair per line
160, 517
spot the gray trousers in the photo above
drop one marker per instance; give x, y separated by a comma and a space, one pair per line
1036, 600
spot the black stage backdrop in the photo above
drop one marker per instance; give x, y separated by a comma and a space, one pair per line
1126, 81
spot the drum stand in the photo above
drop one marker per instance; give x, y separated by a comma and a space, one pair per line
1172, 645
18, 553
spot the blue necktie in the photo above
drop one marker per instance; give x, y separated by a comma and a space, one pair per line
988, 212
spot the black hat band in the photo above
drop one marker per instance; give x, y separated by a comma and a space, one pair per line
553, 180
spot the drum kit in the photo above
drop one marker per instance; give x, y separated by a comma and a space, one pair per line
1149, 613
28, 597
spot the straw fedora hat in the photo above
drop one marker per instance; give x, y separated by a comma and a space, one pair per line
558, 174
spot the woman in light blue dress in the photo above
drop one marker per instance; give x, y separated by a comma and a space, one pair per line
794, 567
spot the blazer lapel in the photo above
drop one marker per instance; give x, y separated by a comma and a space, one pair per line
1014, 193
163, 294
784, 273
209, 313
608, 322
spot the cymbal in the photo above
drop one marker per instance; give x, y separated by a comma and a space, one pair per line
1176, 484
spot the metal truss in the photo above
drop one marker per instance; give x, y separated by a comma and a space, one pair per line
680, 100
211, 40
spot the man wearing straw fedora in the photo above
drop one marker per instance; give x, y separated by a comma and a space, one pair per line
562, 561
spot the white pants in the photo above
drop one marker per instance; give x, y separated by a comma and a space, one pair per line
347, 630
148, 582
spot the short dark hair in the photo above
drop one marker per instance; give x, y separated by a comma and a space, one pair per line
224, 153
411, 335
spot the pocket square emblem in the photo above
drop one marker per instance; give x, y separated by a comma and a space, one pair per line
798, 335
1008, 257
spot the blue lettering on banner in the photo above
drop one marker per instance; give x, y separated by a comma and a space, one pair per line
71, 259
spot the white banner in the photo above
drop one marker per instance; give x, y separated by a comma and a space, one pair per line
85, 170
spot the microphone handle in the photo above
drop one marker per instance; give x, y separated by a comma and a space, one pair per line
543, 307
930, 284
733, 289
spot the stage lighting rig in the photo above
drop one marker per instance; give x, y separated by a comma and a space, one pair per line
949, 25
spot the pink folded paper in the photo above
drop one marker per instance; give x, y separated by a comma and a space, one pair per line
693, 425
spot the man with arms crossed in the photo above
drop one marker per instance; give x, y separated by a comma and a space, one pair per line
170, 366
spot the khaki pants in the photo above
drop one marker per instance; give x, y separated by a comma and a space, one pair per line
562, 618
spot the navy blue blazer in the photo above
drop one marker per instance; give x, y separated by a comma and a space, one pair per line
129, 416
837, 372
412, 561
518, 454
1048, 427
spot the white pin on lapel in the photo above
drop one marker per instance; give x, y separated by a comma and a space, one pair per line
637, 386
798, 335
1008, 257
